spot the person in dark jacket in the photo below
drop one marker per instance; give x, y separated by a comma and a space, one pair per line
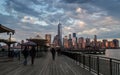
32, 54
25, 53
53, 53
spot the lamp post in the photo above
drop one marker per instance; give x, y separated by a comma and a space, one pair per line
9, 43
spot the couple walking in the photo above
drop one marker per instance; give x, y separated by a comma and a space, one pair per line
26, 53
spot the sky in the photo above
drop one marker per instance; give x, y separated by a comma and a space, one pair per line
39, 17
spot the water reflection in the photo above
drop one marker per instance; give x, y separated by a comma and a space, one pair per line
112, 53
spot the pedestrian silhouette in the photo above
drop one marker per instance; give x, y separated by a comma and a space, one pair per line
53, 53
32, 54
25, 53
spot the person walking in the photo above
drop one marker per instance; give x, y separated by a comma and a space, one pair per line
25, 53
53, 53
32, 54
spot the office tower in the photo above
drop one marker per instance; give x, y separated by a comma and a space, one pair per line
70, 36
116, 43
81, 43
105, 44
65, 42
74, 41
70, 46
60, 34
87, 42
74, 34
110, 44
95, 40
48, 38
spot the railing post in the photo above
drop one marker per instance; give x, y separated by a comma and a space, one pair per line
98, 65
83, 60
79, 58
89, 63
110, 66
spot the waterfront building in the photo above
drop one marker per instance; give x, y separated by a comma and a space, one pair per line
104, 43
95, 41
48, 38
70, 46
110, 44
74, 34
74, 41
116, 43
87, 43
81, 43
65, 42
99, 44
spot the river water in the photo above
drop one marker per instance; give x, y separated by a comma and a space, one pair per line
112, 53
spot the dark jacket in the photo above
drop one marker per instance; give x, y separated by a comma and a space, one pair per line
33, 52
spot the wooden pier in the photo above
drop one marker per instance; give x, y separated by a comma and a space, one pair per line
62, 65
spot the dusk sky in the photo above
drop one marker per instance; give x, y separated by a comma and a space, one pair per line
85, 17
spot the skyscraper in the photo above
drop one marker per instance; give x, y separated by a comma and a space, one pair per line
65, 42
70, 42
74, 41
74, 34
95, 40
116, 43
81, 43
60, 34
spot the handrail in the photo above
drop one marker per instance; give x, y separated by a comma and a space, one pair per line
97, 64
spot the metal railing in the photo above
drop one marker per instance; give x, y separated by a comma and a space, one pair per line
96, 64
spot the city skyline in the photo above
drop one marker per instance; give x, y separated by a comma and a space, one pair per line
84, 17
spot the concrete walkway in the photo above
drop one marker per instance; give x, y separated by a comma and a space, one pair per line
44, 66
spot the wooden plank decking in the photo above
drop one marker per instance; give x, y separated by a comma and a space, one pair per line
43, 66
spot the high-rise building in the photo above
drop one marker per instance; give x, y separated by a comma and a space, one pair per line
110, 44
95, 41
88, 42
81, 43
116, 43
74, 41
65, 42
70, 36
60, 34
74, 34
70, 46
48, 38
105, 43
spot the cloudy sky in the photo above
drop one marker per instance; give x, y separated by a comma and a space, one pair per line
84, 17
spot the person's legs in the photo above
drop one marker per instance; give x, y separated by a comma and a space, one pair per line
53, 56
32, 60
25, 61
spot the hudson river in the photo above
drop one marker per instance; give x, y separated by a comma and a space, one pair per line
113, 53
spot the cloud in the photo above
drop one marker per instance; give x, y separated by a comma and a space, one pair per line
79, 23
79, 10
85, 17
105, 29
90, 32
107, 21
76, 1
33, 20
111, 6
